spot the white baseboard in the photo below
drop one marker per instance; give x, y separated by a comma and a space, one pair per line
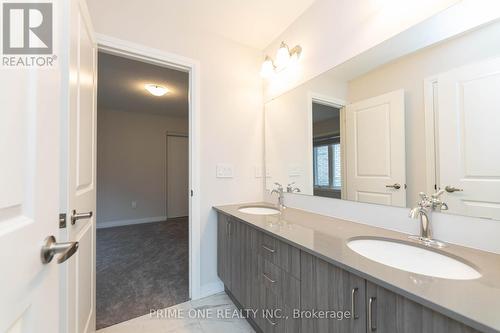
118, 223
211, 289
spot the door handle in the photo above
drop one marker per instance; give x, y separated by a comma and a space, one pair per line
354, 292
373, 326
79, 216
51, 248
451, 189
394, 186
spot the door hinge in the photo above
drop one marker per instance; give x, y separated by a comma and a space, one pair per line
192, 193
62, 220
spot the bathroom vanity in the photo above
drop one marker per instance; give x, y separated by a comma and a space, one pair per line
298, 262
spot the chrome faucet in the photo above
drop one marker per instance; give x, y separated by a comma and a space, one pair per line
292, 189
422, 212
279, 191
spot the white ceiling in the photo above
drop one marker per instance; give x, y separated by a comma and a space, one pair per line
121, 87
254, 23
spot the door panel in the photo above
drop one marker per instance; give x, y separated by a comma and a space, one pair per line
29, 198
327, 287
375, 150
391, 312
468, 122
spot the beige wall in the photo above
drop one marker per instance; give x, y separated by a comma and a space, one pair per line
131, 164
408, 73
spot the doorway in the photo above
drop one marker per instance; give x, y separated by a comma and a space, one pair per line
142, 220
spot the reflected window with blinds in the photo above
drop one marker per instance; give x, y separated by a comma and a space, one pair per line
327, 163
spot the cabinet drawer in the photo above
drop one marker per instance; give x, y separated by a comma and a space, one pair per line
281, 283
276, 316
279, 253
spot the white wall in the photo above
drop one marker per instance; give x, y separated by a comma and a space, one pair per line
230, 106
131, 165
333, 31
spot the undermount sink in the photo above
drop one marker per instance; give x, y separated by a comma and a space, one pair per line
259, 210
414, 259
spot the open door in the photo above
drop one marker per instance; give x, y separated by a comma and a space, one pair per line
79, 173
29, 198
375, 150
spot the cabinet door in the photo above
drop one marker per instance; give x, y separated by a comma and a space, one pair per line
327, 287
391, 313
236, 259
223, 254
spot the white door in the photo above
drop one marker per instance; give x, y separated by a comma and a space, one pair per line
375, 150
79, 172
469, 138
29, 198
177, 176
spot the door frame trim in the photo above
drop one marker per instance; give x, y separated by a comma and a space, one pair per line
431, 135
153, 56
335, 102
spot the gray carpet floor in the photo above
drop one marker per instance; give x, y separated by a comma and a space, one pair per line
140, 267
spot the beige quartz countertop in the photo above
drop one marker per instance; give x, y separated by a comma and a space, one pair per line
473, 302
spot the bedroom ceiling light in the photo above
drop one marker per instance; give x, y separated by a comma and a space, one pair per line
156, 90
283, 57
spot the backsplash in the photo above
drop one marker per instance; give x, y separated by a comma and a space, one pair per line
482, 234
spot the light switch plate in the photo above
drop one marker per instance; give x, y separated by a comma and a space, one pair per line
224, 170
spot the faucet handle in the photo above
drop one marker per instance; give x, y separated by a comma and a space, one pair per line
438, 194
423, 196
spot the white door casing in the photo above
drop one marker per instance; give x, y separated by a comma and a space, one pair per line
79, 171
375, 150
468, 138
177, 175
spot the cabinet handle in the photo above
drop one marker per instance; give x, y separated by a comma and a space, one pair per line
268, 278
354, 292
268, 249
373, 326
273, 323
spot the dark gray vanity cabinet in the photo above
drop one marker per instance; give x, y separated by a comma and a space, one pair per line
231, 255
266, 274
325, 287
390, 312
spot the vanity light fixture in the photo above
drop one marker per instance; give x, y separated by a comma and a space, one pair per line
284, 56
156, 90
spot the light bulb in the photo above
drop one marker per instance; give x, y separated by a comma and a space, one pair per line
282, 56
156, 90
267, 68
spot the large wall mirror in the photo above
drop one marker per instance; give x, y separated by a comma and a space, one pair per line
381, 134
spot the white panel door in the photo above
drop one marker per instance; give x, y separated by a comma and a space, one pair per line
375, 150
469, 138
80, 171
177, 176
29, 198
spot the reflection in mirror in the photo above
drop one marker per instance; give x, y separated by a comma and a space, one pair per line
327, 161
381, 130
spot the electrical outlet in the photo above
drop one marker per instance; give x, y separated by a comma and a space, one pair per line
134, 204
224, 171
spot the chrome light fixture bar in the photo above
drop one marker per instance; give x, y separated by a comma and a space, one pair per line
284, 56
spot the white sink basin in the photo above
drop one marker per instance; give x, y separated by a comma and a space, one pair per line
413, 259
259, 210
